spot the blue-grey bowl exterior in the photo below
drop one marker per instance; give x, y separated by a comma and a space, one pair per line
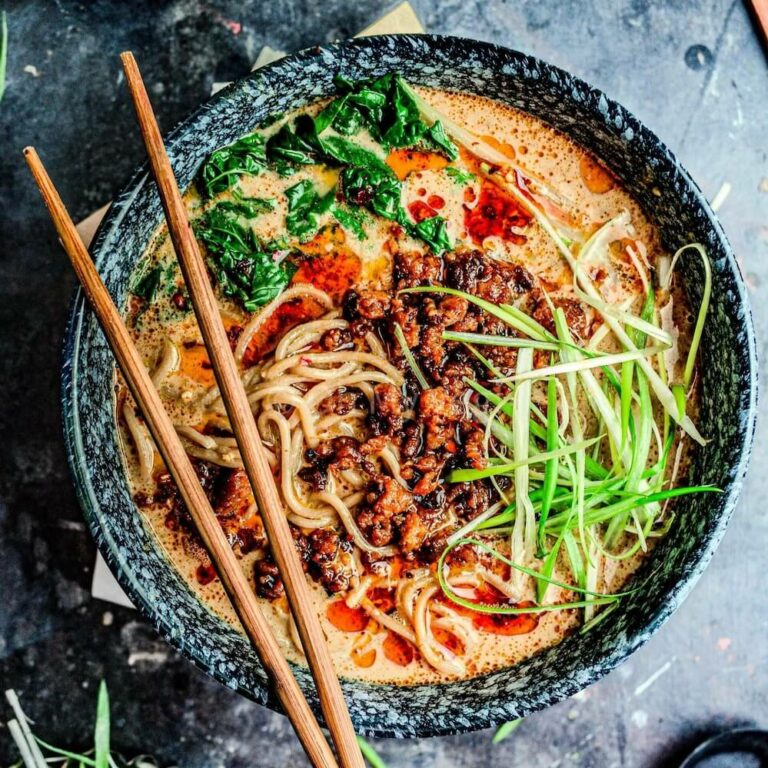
728, 380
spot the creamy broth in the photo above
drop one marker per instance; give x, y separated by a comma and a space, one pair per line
593, 197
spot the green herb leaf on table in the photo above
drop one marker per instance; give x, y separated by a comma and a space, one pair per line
101, 730
244, 268
506, 729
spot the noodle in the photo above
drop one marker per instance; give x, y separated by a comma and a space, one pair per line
297, 292
389, 449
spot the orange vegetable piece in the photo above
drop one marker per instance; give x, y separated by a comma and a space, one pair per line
398, 650
382, 598
596, 178
364, 657
449, 640
407, 161
505, 624
506, 149
345, 618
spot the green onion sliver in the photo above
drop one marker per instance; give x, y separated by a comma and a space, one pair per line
599, 597
698, 330
550, 470
576, 366
370, 754
467, 475
499, 341
409, 358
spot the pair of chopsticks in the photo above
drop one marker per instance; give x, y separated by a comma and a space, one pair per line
249, 442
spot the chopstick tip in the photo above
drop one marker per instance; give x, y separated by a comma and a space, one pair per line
127, 57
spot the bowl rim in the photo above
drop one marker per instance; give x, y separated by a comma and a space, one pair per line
481, 718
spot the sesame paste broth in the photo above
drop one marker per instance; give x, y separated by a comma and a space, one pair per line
337, 260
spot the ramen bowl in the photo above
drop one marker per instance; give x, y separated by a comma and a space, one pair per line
646, 168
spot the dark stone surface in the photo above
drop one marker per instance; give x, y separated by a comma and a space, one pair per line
693, 71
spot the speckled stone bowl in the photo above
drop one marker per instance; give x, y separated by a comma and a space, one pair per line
667, 194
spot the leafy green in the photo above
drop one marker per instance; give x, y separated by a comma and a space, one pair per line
375, 188
147, 286
246, 157
305, 206
295, 144
459, 175
434, 232
345, 152
385, 107
351, 219
437, 136
244, 268
249, 207
506, 729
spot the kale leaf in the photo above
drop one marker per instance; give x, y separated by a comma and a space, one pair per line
351, 218
434, 233
305, 206
249, 207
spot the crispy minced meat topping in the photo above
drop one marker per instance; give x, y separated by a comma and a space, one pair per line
428, 428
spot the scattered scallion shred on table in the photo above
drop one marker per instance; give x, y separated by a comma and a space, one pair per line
37, 753
505, 730
3, 51
370, 754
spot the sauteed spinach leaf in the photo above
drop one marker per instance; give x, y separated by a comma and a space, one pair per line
245, 268
247, 156
385, 108
305, 206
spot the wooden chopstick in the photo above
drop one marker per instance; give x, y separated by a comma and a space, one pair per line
244, 427
139, 382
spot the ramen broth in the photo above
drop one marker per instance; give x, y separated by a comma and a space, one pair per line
337, 260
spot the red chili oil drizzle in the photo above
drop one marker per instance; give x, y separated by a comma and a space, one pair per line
496, 214
421, 211
498, 623
331, 267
